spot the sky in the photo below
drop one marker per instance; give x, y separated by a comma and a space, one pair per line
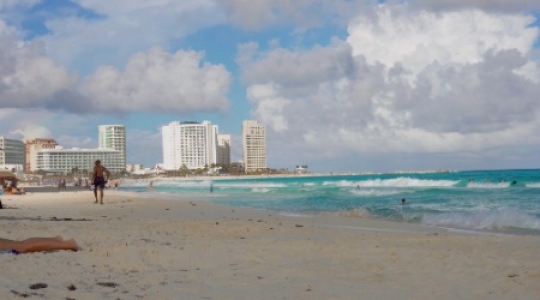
342, 85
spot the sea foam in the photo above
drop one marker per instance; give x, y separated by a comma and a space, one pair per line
482, 220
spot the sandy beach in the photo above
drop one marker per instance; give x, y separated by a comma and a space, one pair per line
137, 247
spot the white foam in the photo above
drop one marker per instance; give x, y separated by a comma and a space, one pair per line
374, 192
394, 182
260, 190
533, 185
492, 219
354, 213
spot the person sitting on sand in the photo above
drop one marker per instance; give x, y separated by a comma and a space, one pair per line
15, 191
38, 244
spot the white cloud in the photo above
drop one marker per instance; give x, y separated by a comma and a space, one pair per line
416, 39
27, 76
158, 81
472, 91
504, 6
41, 123
155, 81
269, 105
124, 28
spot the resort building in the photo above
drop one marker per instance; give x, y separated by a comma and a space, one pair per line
61, 160
224, 149
189, 144
12, 152
113, 137
254, 146
32, 146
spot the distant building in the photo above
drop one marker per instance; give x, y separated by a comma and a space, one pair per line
130, 168
32, 146
189, 144
113, 137
254, 146
301, 169
61, 160
224, 149
12, 152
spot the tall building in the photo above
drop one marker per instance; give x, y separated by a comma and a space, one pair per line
113, 137
190, 144
254, 146
61, 160
12, 152
223, 150
32, 147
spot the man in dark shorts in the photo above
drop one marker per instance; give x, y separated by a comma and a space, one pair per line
99, 179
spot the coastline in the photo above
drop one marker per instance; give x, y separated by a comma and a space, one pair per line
169, 249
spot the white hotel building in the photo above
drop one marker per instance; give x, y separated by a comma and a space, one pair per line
61, 160
192, 144
12, 152
254, 146
113, 137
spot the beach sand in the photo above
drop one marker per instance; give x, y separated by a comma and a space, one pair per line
144, 248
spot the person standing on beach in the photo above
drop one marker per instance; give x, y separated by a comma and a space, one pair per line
99, 179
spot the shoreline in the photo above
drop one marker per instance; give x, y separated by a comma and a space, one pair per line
151, 248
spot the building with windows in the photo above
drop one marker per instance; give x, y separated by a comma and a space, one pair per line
113, 137
223, 150
253, 146
189, 144
12, 152
32, 146
61, 160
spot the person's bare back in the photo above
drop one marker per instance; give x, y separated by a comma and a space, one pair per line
100, 170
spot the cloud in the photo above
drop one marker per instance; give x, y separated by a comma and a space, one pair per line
42, 123
155, 81
27, 76
305, 14
504, 6
123, 28
403, 82
416, 39
158, 81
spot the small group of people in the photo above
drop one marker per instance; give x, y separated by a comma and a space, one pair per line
62, 184
11, 189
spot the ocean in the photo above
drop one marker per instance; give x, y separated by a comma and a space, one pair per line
502, 201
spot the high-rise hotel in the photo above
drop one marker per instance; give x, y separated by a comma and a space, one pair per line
254, 146
189, 144
12, 152
113, 137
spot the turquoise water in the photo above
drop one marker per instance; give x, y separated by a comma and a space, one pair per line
506, 200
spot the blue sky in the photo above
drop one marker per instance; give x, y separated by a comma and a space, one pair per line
341, 85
